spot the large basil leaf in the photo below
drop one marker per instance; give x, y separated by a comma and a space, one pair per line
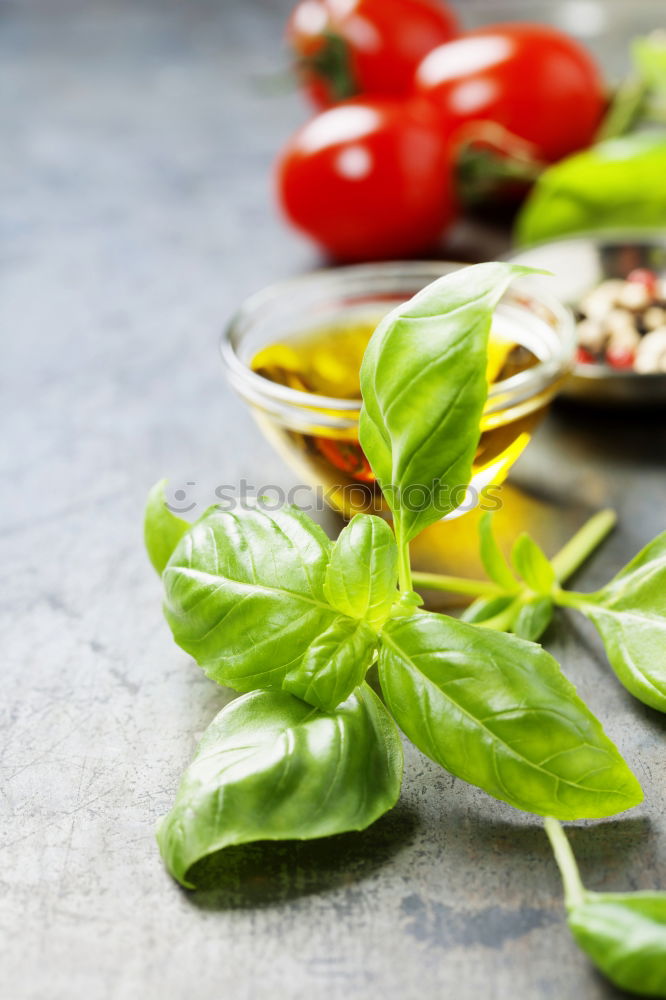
270, 767
496, 711
630, 615
362, 574
423, 382
162, 530
244, 595
616, 183
625, 936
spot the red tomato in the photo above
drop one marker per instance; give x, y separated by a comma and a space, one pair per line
369, 179
536, 82
348, 47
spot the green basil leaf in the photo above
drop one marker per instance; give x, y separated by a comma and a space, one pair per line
625, 936
635, 642
533, 565
362, 575
485, 608
244, 594
642, 582
533, 619
423, 382
630, 615
334, 664
616, 183
492, 557
270, 767
497, 711
162, 530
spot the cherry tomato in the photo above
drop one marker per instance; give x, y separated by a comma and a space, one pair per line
620, 358
535, 82
643, 276
348, 47
585, 357
369, 179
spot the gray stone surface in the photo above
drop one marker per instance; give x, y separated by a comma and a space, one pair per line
136, 213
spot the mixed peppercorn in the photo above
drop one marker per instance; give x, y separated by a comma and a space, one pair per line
622, 323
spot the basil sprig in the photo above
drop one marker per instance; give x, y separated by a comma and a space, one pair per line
268, 606
629, 613
623, 933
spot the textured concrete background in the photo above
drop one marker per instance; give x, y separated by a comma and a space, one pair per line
136, 214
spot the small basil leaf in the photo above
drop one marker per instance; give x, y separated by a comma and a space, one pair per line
641, 584
625, 936
362, 576
335, 663
484, 608
492, 557
162, 530
244, 594
423, 382
270, 767
497, 711
533, 619
533, 565
630, 615
635, 642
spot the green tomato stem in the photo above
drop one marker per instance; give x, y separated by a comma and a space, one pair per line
583, 543
574, 891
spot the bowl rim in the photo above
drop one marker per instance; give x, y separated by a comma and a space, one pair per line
650, 235
240, 373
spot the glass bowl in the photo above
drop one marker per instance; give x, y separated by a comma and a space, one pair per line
318, 435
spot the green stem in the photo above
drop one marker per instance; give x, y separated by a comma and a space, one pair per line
583, 543
404, 566
504, 620
457, 584
574, 891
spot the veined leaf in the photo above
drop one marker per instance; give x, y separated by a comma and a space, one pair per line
423, 382
334, 664
533, 565
533, 619
642, 582
362, 575
245, 597
497, 711
270, 767
162, 530
625, 936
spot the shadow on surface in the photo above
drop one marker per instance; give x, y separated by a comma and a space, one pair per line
611, 432
265, 873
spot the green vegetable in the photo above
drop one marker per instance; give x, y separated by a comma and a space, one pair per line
617, 183
497, 712
266, 604
623, 933
270, 767
423, 381
629, 613
492, 557
162, 530
362, 575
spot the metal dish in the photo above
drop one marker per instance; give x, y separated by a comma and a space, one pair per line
578, 264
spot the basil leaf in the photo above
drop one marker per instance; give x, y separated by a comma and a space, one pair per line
616, 183
635, 642
642, 582
497, 712
162, 530
625, 936
485, 608
533, 619
244, 594
334, 664
492, 557
630, 615
533, 565
362, 575
423, 382
270, 767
